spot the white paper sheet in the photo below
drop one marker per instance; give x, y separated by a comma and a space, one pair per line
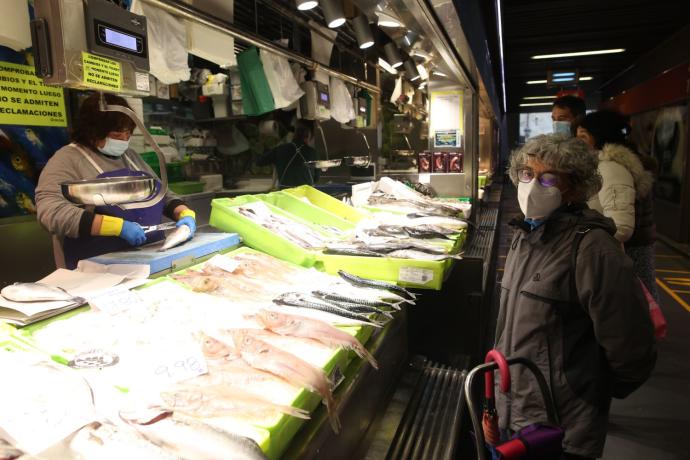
81, 284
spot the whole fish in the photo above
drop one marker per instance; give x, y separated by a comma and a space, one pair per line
400, 245
355, 300
261, 355
110, 442
193, 440
198, 282
7, 452
224, 400
425, 232
442, 221
295, 299
215, 349
299, 326
179, 236
417, 255
350, 251
36, 292
341, 301
358, 281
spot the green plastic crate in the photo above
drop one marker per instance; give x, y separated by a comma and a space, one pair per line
186, 187
306, 211
327, 202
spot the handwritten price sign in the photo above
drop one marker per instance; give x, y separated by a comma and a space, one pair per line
179, 367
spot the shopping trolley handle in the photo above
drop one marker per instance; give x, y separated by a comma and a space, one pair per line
495, 356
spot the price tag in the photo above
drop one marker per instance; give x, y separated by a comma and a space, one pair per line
180, 365
115, 301
425, 178
142, 81
415, 275
224, 263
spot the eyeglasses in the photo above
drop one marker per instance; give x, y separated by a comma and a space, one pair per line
546, 179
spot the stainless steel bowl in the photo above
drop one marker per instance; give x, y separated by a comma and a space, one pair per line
109, 190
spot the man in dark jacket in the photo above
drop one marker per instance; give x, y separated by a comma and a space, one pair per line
584, 322
290, 159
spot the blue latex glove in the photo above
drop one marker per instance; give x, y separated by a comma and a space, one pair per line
189, 222
132, 233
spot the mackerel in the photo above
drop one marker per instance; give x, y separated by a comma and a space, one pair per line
293, 299
353, 300
364, 282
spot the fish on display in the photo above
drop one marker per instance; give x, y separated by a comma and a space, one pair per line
261, 355
335, 297
7, 452
300, 326
343, 302
358, 281
105, 441
442, 221
290, 229
177, 237
428, 231
192, 439
296, 299
223, 400
37, 292
418, 255
350, 251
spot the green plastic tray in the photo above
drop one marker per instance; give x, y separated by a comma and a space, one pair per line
186, 187
227, 219
327, 202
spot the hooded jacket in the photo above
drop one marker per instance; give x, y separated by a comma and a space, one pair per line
625, 182
591, 344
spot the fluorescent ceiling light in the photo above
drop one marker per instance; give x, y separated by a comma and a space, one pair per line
534, 104
563, 74
543, 82
578, 53
438, 73
387, 67
500, 49
540, 97
304, 5
564, 79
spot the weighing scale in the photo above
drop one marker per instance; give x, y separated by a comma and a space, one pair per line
316, 103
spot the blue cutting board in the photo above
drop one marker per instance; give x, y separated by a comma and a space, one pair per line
201, 245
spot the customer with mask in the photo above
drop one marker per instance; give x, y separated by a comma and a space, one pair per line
626, 195
566, 113
99, 149
570, 301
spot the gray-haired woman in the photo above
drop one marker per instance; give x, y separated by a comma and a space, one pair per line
583, 320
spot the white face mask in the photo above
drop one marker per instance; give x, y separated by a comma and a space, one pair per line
562, 127
536, 201
114, 147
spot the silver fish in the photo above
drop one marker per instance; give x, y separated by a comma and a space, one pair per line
194, 440
108, 442
417, 255
295, 299
36, 292
364, 282
177, 237
343, 302
7, 452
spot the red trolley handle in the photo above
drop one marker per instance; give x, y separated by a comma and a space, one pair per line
503, 370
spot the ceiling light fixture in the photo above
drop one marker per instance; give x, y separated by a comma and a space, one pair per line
579, 53
333, 13
536, 82
585, 78
365, 37
540, 82
562, 80
304, 5
410, 38
386, 16
540, 97
422, 72
438, 73
534, 104
411, 70
393, 55
563, 74
387, 67
500, 50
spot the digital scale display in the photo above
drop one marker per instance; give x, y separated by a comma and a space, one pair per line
117, 38
324, 97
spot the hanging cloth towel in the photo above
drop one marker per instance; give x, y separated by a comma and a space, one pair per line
281, 79
321, 47
167, 44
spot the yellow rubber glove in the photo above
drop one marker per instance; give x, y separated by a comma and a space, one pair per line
187, 213
111, 226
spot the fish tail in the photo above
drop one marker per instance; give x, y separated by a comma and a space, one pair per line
295, 412
364, 354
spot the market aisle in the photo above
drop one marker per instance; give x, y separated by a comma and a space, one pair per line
654, 422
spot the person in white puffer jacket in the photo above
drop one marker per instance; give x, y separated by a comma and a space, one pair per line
627, 192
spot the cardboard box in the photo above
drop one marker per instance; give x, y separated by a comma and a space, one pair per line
455, 162
424, 162
439, 162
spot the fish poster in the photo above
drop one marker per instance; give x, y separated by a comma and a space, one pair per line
24, 152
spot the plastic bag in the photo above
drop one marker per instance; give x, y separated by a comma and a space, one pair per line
281, 79
167, 38
342, 109
655, 313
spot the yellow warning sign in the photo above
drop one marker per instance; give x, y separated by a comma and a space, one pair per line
25, 100
100, 72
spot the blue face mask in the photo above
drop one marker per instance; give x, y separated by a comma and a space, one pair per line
114, 147
562, 127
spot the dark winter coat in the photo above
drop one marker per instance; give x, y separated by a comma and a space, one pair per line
591, 344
